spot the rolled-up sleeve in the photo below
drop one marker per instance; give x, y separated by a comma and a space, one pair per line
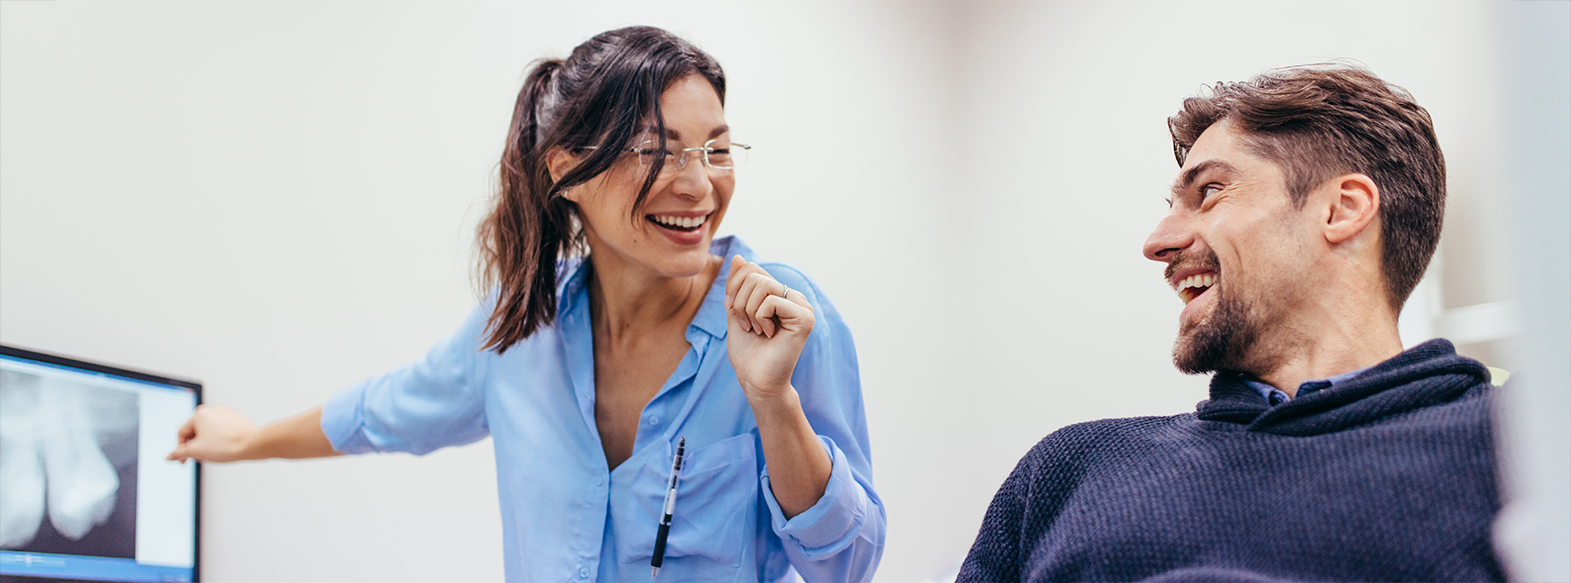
841, 537
435, 402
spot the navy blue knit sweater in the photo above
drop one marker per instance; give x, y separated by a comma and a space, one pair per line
1388, 476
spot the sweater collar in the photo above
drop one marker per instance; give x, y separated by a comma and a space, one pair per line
1424, 375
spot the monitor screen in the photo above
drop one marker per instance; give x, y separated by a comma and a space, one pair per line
87, 494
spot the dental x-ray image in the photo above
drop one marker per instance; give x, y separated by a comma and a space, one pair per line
68, 455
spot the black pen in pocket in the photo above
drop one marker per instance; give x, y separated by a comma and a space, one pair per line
670, 507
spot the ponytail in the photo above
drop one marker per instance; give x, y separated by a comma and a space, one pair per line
526, 231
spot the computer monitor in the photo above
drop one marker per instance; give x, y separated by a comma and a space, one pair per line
85, 492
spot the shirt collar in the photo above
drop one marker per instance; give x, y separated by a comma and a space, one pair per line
711, 316
573, 291
1276, 396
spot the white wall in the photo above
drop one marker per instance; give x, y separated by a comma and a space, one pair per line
279, 199
1536, 55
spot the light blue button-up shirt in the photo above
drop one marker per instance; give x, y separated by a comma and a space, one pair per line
566, 516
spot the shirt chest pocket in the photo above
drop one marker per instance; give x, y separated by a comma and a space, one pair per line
716, 504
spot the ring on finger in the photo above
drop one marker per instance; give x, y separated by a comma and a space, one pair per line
787, 291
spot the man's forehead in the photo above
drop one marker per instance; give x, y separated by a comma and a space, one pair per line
1222, 145
1220, 149
1218, 141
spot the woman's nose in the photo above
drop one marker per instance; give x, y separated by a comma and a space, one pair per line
692, 179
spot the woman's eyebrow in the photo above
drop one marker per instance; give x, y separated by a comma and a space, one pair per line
671, 134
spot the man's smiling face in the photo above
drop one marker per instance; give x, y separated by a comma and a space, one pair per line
1237, 254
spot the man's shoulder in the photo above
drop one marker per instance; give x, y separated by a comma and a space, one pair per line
1091, 442
1099, 432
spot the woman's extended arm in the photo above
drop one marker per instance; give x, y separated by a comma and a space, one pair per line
417, 408
216, 433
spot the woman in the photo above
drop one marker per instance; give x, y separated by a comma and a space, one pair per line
588, 369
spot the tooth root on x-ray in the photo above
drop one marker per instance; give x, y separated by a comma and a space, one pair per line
21, 470
81, 482
22, 507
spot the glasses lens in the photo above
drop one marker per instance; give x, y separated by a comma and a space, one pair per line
648, 152
725, 155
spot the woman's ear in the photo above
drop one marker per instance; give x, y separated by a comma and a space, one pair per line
558, 161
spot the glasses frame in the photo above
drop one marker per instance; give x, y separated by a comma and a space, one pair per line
682, 156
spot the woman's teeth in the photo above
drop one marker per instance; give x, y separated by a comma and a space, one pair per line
680, 223
1191, 287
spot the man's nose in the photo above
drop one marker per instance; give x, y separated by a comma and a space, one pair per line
1171, 235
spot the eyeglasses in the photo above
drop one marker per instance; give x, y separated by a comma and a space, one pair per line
725, 156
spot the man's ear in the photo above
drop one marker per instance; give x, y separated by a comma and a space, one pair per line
1354, 204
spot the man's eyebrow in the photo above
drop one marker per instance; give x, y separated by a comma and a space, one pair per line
1187, 178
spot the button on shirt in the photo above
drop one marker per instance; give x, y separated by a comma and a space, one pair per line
1276, 396
566, 516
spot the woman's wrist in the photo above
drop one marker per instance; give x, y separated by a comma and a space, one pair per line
248, 445
774, 405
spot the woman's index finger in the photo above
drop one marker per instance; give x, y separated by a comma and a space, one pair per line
732, 281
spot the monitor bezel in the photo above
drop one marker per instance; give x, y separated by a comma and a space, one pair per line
57, 360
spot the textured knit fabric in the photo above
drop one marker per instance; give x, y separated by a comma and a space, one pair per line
1388, 476
566, 516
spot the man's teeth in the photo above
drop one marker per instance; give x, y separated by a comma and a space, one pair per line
1191, 287
1198, 280
680, 222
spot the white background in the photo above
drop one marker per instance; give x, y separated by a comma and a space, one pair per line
279, 199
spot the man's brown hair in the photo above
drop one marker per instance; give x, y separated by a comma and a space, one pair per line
1318, 122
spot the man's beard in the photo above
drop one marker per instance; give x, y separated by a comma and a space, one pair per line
1223, 339
1220, 340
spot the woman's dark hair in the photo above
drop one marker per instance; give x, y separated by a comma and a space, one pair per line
594, 103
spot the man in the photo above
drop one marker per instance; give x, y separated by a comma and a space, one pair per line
1307, 206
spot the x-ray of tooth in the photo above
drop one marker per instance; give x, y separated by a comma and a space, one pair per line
21, 467
68, 454
21, 464
86, 494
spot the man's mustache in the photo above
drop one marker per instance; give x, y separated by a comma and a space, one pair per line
1203, 258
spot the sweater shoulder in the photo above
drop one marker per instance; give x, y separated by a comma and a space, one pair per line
1091, 435
1081, 445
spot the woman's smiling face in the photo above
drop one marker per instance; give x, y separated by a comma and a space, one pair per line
669, 234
